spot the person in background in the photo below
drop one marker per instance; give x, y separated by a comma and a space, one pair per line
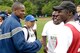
49, 33
28, 31
8, 12
78, 14
12, 39
3, 16
68, 38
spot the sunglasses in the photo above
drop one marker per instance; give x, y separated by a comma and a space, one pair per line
54, 15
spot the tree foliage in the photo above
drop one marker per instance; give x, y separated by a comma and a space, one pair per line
47, 8
6, 2
30, 8
77, 2
4, 8
22, 1
38, 7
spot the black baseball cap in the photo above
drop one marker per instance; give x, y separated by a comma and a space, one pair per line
65, 5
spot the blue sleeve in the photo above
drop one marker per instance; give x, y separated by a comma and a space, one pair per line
20, 43
12, 27
24, 46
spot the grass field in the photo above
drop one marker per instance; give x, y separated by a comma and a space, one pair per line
40, 24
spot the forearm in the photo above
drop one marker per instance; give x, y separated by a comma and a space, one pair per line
44, 44
24, 46
44, 40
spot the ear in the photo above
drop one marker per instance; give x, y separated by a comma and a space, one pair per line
69, 13
14, 11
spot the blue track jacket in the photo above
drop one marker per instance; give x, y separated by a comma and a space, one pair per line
12, 38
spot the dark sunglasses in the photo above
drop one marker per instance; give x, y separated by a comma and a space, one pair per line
54, 15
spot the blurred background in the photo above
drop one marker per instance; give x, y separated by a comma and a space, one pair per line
38, 8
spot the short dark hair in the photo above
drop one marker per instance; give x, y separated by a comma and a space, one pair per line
16, 5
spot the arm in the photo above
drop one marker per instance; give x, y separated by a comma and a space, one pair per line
44, 44
20, 43
44, 38
23, 46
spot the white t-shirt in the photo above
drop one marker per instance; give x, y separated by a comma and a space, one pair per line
65, 37
32, 36
50, 30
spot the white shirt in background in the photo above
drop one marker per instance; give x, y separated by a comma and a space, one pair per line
51, 31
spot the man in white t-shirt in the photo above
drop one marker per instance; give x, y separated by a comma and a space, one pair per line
68, 38
49, 33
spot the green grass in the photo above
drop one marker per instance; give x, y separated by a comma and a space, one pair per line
40, 24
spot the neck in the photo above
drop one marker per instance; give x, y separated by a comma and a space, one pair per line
69, 19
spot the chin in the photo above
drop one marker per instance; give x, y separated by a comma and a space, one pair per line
56, 23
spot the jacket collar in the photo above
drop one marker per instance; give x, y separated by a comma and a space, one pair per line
16, 17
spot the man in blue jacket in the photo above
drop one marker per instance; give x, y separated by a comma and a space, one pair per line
12, 39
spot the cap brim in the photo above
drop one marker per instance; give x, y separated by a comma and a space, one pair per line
57, 8
33, 20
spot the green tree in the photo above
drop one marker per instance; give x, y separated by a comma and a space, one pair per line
4, 8
22, 1
38, 7
68, 0
30, 8
6, 2
47, 8
77, 2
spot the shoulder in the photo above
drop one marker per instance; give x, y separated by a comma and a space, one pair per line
76, 25
24, 29
49, 23
10, 19
11, 22
65, 31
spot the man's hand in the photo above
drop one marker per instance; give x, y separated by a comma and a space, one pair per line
45, 49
